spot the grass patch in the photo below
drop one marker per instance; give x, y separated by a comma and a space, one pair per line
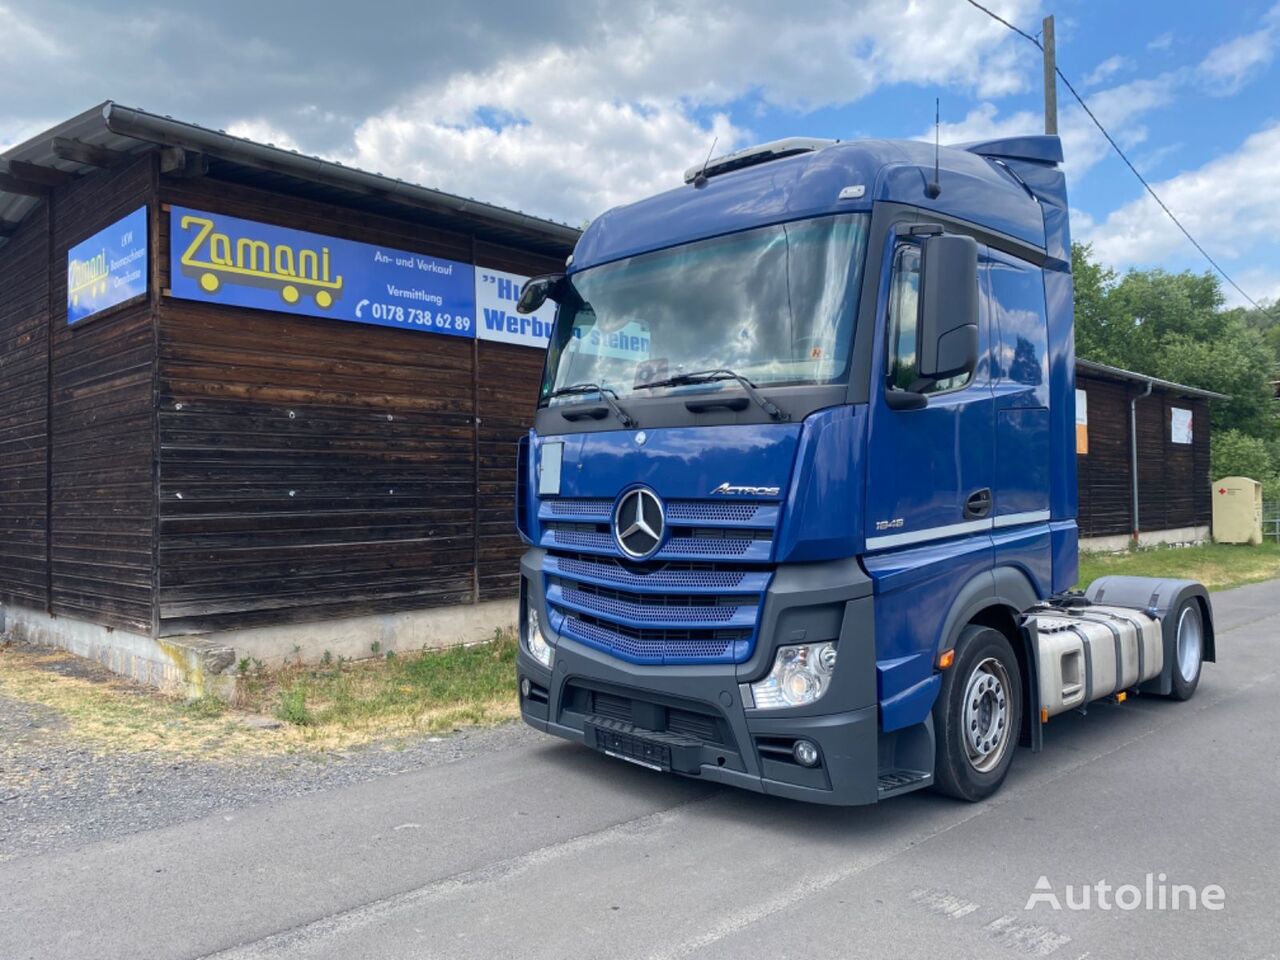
1219, 566
332, 705
114, 714
428, 692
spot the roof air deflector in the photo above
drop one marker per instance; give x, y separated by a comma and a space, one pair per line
1038, 149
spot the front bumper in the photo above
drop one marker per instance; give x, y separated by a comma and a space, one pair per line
716, 739
691, 719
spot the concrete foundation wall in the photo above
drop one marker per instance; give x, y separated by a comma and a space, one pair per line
1178, 536
199, 665
354, 637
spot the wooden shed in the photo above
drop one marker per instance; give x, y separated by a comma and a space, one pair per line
187, 450
1171, 424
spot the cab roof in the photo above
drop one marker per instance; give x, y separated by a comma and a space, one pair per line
998, 184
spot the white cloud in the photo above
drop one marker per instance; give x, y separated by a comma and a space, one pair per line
1222, 204
1163, 42
1118, 108
1107, 69
1229, 66
568, 131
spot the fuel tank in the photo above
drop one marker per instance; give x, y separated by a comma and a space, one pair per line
1091, 652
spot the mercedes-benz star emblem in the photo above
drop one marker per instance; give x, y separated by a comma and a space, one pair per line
638, 523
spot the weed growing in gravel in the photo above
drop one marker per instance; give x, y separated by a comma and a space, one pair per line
293, 708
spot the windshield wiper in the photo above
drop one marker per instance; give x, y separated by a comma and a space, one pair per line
713, 376
607, 395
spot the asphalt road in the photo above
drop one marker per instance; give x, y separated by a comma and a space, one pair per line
547, 850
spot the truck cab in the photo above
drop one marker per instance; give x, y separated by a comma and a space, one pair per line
801, 484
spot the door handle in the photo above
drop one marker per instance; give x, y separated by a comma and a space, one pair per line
978, 505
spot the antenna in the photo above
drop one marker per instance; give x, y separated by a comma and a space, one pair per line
701, 179
935, 188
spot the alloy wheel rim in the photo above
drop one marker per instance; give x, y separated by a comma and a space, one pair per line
1190, 644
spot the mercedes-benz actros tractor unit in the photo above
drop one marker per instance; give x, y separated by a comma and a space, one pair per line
800, 493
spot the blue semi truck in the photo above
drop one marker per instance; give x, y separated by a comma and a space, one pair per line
800, 494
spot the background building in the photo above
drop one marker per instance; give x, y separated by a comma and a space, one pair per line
253, 402
1170, 450
185, 450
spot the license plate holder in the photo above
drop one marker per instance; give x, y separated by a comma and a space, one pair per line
631, 748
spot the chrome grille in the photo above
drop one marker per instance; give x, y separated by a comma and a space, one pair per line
696, 600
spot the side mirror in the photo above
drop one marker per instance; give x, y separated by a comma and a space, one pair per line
538, 291
948, 321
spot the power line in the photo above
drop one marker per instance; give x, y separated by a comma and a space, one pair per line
1115, 146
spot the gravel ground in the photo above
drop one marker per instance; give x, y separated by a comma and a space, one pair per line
57, 791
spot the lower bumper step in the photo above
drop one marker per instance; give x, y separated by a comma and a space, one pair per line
893, 782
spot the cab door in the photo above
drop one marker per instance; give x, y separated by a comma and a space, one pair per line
930, 471
929, 498
1020, 374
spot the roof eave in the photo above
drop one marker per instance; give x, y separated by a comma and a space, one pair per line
148, 131
1133, 376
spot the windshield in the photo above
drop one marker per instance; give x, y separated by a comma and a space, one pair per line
775, 305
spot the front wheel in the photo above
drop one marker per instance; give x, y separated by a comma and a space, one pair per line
977, 716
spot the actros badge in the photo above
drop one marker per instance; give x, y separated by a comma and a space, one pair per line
732, 490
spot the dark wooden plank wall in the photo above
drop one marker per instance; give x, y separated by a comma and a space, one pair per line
103, 439
507, 392
313, 468
24, 363
509, 379
1173, 479
1103, 473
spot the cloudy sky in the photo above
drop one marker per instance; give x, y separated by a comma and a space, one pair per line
564, 109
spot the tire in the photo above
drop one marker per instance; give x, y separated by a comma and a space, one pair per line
1188, 649
978, 716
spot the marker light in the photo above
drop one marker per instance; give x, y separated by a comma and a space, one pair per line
800, 675
535, 642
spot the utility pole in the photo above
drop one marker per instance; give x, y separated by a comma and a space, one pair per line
1050, 77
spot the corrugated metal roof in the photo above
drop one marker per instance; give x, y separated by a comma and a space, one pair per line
1117, 373
129, 131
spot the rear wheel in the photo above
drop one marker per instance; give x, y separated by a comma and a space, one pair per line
1188, 651
977, 716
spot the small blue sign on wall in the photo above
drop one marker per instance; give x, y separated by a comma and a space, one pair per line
220, 259
108, 268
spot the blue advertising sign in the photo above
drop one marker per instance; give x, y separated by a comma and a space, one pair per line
108, 268
220, 259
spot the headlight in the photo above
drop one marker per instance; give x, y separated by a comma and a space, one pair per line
535, 642
800, 675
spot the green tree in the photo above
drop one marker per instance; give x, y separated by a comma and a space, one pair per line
1173, 325
1236, 454
1235, 363
1095, 332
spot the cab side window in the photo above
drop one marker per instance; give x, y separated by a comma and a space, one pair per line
904, 301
